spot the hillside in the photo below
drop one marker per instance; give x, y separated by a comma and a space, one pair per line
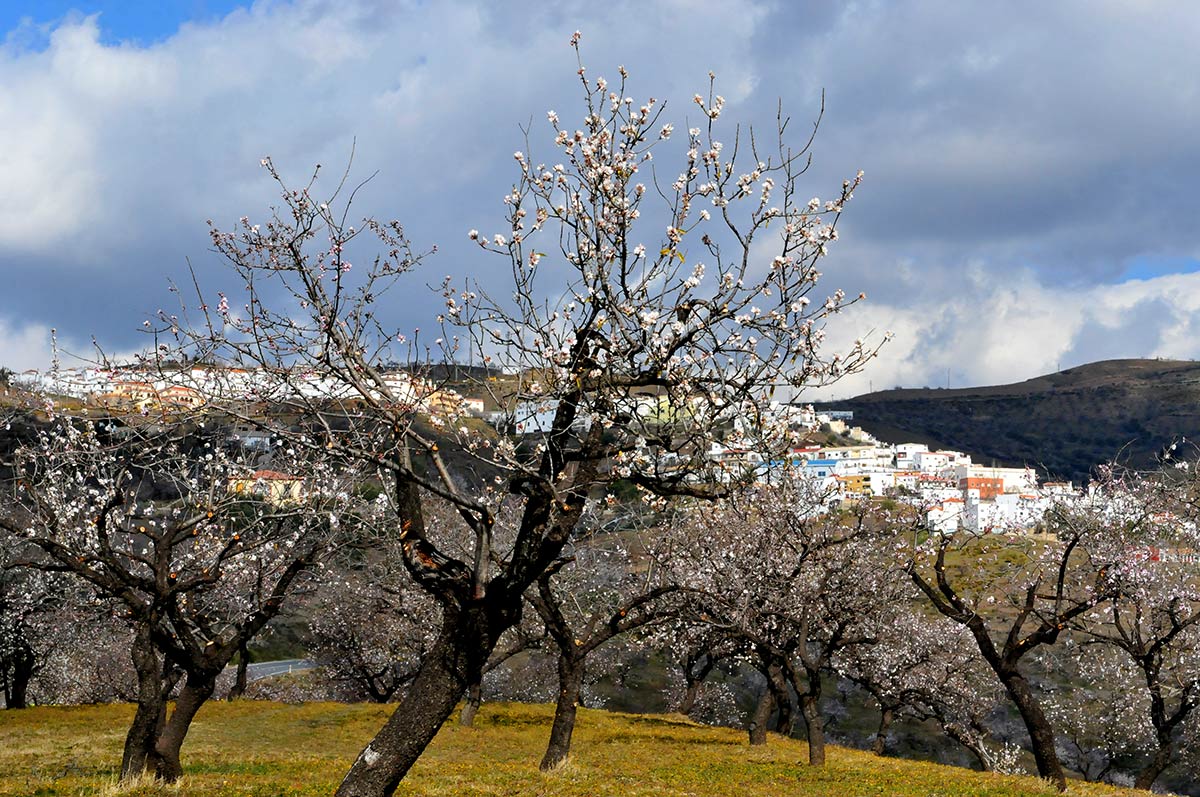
277, 750
1064, 423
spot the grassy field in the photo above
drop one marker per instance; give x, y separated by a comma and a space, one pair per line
257, 748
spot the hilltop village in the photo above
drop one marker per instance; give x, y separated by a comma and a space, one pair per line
840, 461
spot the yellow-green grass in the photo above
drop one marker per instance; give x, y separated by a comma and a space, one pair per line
269, 749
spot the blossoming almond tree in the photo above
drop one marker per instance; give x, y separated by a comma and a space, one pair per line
145, 516
927, 668
29, 606
796, 586
1017, 595
696, 295
603, 587
1153, 617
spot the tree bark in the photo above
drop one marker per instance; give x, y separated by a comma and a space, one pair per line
688, 704
239, 684
885, 721
1041, 734
151, 706
1164, 727
810, 707
24, 664
973, 745
1149, 773
694, 680
782, 695
761, 716
570, 687
197, 689
456, 659
474, 700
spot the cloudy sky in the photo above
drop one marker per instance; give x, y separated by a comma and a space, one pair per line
1030, 167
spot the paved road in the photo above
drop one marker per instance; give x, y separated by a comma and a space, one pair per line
268, 669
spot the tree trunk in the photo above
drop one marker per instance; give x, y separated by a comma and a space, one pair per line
151, 706
24, 664
783, 700
885, 721
197, 689
973, 745
471, 707
1161, 760
454, 661
810, 707
239, 684
694, 681
761, 717
1041, 734
688, 704
570, 687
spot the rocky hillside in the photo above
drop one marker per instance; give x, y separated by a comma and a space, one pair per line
1064, 423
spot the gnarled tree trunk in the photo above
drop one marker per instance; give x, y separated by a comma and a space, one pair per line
151, 707
778, 685
1149, 773
1041, 734
197, 689
972, 742
694, 680
239, 684
455, 660
886, 715
16, 688
761, 717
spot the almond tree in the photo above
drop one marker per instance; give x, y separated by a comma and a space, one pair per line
924, 668
704, 649
794, 586
369, 626
145, 516
599, 590
29, 604
697, 288
1153, 616
1099, 710
1016, 595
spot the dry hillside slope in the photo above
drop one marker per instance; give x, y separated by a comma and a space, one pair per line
1065, 423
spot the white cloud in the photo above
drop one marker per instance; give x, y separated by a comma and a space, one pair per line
24, 347
986, 333
1045, 147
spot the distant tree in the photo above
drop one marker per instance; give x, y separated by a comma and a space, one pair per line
1099, 711
603, 587
705, 299
792, 586
28, 601
703, 651
529, 635
56, 638
1153, 615
369, 626
145, 516
924, 669
1017, 594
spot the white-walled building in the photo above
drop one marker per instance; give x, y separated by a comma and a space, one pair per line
1015, 480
